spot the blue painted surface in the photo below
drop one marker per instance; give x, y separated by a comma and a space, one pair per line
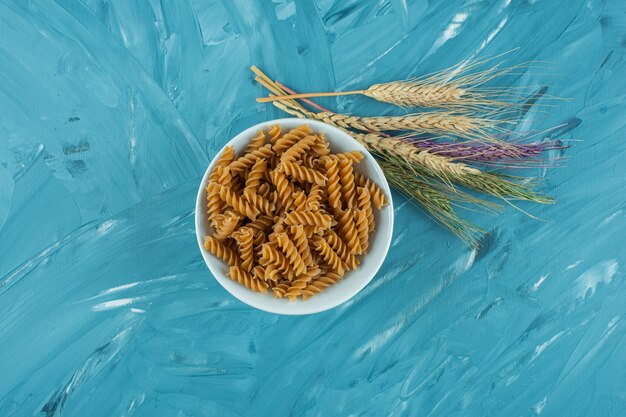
109, 113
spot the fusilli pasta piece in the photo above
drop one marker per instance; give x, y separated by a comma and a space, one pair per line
214, 202
329, 255
227, 225
261, 223
314, 199
353, 156
333, 189
364, 202
271, 273
220, 250
299, 148
238, 203
319, 284
300, 282
301, 173
311, 218
341, 249
310, 231
281, 289
256, 174
246, 279
362, 229
346, 178
290, 138
274, 257
256, 142
264, 190
347, 230
261, 203
244, 238
299, 239
291, 253
320, 149
274, 133
299, 200
227, 156
310, 161
246, 161
284, 188
377, 195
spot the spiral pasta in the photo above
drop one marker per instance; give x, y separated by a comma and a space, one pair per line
246, 279
214, 202
261, 203
220, 250
291, 253
238, 203
314, 199
227, 225
332, 187
299, 200
347, 231
301, 173
298, 149
330, 256
362, 229
288, 215
341, 249
245, 162
256, 174
274, 134
320, 284
271, 256
311, 218
284, 188
377, 195
227, 156
245, 240
346, 178
292, 137
364, 203
299, 239
301, 282
353, 156
256, 142
281, 289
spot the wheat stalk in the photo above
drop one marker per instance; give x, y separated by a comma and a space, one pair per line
453, 88
436, 203
437, 123
390, 146
495, 185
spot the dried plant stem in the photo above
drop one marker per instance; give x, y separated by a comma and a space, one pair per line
456, 87
437, 123
435, 202
465, 175
386, 145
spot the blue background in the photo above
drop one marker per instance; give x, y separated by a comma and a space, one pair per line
109, 114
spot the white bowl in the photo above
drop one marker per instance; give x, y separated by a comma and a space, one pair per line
354, 281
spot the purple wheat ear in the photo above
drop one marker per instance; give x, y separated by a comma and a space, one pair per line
479, 152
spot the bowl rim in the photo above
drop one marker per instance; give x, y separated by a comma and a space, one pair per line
299, 307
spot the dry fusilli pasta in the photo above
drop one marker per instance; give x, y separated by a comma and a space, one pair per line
288, 215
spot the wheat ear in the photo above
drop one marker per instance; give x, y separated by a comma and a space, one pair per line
393, 146
456, 88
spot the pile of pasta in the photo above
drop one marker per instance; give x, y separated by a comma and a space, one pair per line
288, 215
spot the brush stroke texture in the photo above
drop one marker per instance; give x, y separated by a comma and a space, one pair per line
110, 111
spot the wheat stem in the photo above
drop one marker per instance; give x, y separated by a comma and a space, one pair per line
308, 95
